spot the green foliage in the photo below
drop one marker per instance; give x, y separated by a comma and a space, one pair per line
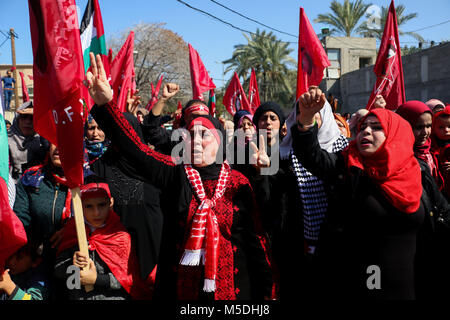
402, 18
409, 50
270, 59
344, 17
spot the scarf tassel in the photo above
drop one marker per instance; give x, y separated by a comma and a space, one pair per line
209, 285
192, 257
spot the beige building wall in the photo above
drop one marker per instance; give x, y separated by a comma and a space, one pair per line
346, 54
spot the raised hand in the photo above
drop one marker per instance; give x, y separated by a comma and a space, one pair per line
259, 158
169, 90
379, 102
133, 102
309, 104
98, 84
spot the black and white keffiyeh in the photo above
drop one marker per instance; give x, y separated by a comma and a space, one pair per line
312, 191
313, 195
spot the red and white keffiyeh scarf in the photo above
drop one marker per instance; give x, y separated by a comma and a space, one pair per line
203, 240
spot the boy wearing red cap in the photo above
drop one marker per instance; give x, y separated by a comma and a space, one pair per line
112, 265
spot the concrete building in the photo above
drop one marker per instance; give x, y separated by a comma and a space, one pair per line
346, 55
426, 74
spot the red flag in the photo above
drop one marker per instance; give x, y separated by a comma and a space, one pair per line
25, 96
253, 93
200, 79
388, 67
12, 233
155, 93
234, 98
30, 77
110, 60
312, 58
122, 73
176, 122
58, 72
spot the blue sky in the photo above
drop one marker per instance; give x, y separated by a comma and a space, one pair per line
213, 40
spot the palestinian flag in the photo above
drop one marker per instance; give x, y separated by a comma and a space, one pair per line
212, 102
92, 33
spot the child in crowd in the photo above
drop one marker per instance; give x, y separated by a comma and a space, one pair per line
24, 278
440, 144
112, 266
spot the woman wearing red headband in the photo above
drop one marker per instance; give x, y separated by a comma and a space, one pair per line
373, 246
212, 246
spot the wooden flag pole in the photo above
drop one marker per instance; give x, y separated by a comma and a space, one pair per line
79, 224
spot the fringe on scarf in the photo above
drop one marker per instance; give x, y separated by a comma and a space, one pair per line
192, 257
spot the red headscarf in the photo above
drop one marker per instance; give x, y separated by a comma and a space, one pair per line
393, 166
411, 111
113, 244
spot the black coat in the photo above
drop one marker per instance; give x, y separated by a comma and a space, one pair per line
136, 202
362, 229
433, 242
157, 136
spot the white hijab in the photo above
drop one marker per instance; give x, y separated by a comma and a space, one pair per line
327, 135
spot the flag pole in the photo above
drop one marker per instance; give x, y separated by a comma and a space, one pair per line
81, 231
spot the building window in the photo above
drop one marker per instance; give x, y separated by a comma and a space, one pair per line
364, 62
334, 70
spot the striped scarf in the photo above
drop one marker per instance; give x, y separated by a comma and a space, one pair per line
203, 241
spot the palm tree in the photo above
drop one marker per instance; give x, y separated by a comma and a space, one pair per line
367, 31
271, 61
345, 17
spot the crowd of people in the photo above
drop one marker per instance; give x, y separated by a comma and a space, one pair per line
265, 206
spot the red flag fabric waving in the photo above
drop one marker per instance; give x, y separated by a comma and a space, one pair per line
253, 93
312, 58
12, 233
122, 73
58, 72
110, 60
201, 82
25, 96
155, 92
234, 98
388, 67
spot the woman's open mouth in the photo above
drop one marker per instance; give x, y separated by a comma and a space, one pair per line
365, 143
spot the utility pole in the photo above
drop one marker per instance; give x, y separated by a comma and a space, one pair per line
13, 54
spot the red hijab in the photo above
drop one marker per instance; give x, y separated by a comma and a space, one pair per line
393, 166
411, 111
113, 244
